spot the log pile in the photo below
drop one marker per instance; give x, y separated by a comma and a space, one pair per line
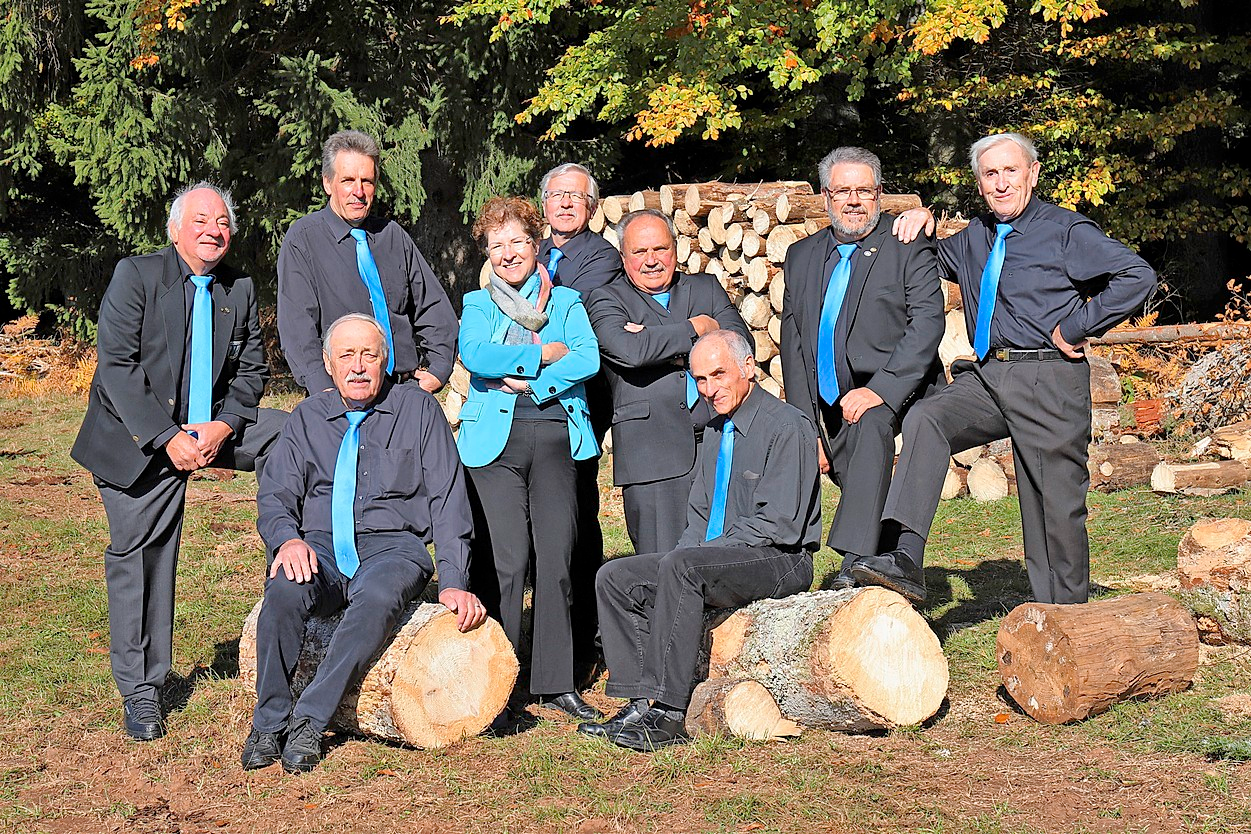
1063, 663
430, 687
1214, 569
1216, 391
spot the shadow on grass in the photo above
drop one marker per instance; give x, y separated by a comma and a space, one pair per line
179, 689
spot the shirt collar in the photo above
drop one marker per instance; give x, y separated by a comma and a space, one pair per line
1019, 223
340, 229
745, 414
336, 409
571, 246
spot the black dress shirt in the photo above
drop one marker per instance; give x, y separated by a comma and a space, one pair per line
1054, 260
409, 477
774, 496
589, 263
318, 281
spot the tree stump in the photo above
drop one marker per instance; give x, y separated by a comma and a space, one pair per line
1214, 566
743, 708
1116, 466
430, 687
987, 480
1063, 663
848, 661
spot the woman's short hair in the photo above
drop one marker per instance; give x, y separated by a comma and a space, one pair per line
500, 211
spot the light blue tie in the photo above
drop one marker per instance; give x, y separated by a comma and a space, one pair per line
553, 260
990, 290
692, 391
369, 274
200, 387
725, 459
343, 497
840, 277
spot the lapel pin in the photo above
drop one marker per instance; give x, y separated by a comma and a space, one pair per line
225, 309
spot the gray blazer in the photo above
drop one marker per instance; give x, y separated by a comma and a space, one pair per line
652, 428
141, 344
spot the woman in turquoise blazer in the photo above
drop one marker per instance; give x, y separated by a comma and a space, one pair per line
528, 347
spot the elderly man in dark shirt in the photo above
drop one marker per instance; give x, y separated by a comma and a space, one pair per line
1037, 281
341, 259
362, 479
753, 523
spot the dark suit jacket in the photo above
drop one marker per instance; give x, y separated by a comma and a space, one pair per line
141, 343
888, 330
652, 428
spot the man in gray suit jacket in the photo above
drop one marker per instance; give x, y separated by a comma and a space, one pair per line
862, 315
646, 326
147, 426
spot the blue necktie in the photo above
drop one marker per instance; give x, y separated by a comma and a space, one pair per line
725, 459
553, 260
369, 274
692, 391
343, 497
827, 373
990, 290
200, 387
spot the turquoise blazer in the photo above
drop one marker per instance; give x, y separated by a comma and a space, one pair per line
487, 416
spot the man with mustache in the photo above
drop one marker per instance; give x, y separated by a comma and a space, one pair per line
341, 259
181, 370
364, 477
862, 316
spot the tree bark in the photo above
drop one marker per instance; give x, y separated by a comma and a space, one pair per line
1213, 478
1116, 466
735, 707
1214, 569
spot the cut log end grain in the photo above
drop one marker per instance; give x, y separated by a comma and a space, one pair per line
1064, 663
1214, 575
1115, 466
735, 707
430, 687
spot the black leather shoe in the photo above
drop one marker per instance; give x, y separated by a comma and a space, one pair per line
629, 714
302, 752
143, 721
261, 750
571, 704
844, 579
893, 570
654, 729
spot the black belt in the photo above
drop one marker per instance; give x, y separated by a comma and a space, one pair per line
1014, 355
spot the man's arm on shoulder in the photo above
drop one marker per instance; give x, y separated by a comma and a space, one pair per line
434, 321
654, 344
1091, 255
299, 316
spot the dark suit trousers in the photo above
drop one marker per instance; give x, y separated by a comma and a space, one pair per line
655, 512
588, 553
1045, 408
394, 568
861, 455
141, 561
527, 497
651, 610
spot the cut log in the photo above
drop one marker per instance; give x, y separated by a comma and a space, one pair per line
1200, 478
1233, 441
777, 289
773, 387
709, 194
762, 219
734, 707
948, 226
1116, 466
1105, 386
954, 484
780, 239
734, 237
731, 259
815, 224
430, 687
640, 200
775, 370
1164, 334
615, 208
672, 199
684, 246
695, 263
765, 348
760, 273
987, 481
967, 457
453, 402
706, 244
610, 234
684, 224
597, 222
849, 661
955, 342
1214, 569
775, 329
1063, 663
755, 310
752, 244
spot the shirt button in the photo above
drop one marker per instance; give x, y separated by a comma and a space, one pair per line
521, 369
551, 389
681, 374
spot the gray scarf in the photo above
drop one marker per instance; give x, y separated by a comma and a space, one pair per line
518, 308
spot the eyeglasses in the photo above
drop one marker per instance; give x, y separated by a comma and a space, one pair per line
842, 195
576, 196
497, 248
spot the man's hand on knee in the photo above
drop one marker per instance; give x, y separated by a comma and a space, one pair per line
296, 559
470, 612
857, 401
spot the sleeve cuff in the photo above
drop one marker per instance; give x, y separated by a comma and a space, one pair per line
1070, 331
235, 422
164, 437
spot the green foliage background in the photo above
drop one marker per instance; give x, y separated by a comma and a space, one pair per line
1139, 108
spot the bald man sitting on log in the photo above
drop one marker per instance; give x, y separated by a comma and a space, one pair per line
363, 478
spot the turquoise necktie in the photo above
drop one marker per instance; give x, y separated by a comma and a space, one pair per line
553, 262
200, 387
343, 497
990, 290
840, 277
692, 391
369, 274
725, 459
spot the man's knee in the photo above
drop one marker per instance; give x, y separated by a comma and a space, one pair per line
286, 596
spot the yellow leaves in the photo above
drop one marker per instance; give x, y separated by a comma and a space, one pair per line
153, 16
948, 20
1089, 186
674, 107
1068, 11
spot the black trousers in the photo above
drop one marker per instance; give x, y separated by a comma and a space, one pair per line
655, 512
588, 553
141, 561
1044, 406
394, 568
861, 456
651, 610
526, 500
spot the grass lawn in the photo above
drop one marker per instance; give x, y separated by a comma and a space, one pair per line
981, 766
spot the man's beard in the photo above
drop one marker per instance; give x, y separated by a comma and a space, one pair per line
843, 230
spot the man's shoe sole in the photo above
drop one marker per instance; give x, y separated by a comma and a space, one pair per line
899, 585
646, 745
299, 767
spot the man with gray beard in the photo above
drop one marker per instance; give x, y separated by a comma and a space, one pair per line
862, 315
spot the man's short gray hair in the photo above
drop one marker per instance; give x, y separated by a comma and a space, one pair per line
734, 342
984, 144
849, 155
353, 141
630, 217
344, 319
180, 203
573, 168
